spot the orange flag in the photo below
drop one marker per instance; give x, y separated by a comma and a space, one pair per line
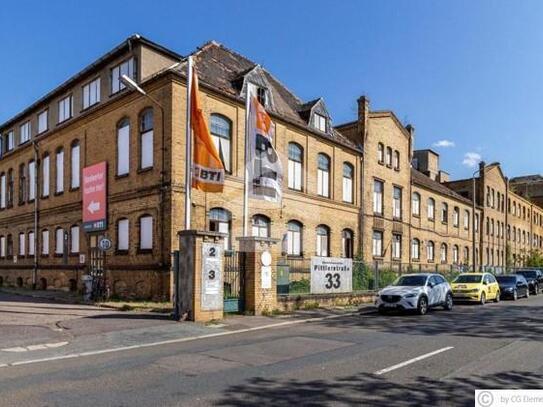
207, 167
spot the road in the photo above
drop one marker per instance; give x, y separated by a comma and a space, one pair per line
370, 360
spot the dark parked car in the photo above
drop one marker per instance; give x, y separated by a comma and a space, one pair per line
534, 278
513, 286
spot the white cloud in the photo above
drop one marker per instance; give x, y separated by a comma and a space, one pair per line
444, 143
471, 159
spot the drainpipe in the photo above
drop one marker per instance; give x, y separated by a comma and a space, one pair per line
36, 214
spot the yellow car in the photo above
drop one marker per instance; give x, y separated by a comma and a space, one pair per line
480, 287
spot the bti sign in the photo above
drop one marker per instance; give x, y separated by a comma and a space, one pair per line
95, 197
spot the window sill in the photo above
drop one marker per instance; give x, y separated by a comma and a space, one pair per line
74, 254
378, 258
397, 169
295, 190
415, 260
144, 170
44, 197
431, 220
416, 215
145, 251
74, 189
121, 252
89, 107
60, 255
59, 193
444, 223
44, 256
396, 219
64, 121
122, 176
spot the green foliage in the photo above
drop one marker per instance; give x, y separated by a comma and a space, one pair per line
299, 287
534, 259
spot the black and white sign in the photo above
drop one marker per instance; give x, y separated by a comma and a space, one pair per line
331, 275
105, 244
212, 278
266, 270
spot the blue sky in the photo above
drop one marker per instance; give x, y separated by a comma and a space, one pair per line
469, 73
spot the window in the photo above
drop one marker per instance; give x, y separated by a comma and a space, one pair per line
11, 183
295, 166
430, 251
220, 221
466, 255
455, 254
2, 246
415, 249
221, 133
444, 213
378, 197
476, 222
32, 180
261, 226
347, 243
59, 241
3, 191
22, 184
123, 234
415, 206
75, 170
24, 136
431, 209
45, 242
262, 96
323, 241
59, 187
45, 177
91, 93
65, 109
123, 147
9, 247
43, 121
388, 157
323, 175
397, 203
10, 141
396, 246
380, 153
396, 160
294, 238
319, 122
377, 243
466, 219
456, 217
22, 241
146, 232
31, 243
443, 256
348, 175
74, 239
127, 68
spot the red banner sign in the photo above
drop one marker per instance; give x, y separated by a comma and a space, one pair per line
95, 197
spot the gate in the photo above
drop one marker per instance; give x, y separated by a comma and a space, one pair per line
96, 268
234, 281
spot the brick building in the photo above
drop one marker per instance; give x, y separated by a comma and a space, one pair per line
359, 188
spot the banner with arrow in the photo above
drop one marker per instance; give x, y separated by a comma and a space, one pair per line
95, 197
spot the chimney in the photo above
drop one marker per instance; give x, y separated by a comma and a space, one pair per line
411, 130
442, 176
363, 115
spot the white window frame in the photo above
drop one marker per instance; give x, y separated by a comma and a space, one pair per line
378, 197
377, 243
415, 204
146, 232
91, 93
295, 169
396, 246
128, 68
3, 191
43, 121
74, 239
2, 246
10, 135
348, 183
31, 243
415, 249
45, 242
59, 241
65, 108
32, 180
146, 142
294, 240
25, 132
396, 203
46, 181
323, 243
323, 178
75, 170
430, 251
319, 122
123, 235
59, 171
123, 149
22, 244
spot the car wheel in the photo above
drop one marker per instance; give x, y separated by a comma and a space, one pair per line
497, 299
536, 289
527, 293
422, 307
448, 302
515, 295
482, 301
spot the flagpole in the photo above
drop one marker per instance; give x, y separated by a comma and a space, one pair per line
188, 150
246, 187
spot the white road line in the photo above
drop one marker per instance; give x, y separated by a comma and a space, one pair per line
410, 361
177, 340
41, 346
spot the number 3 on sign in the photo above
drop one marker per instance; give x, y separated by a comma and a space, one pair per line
333, 280
211, 274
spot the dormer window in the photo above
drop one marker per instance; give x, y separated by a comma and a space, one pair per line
261, 96
319, 122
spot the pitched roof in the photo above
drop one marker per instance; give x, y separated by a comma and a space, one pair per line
418, 178
223, 70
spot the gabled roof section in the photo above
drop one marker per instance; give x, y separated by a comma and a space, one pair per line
392, 115
224, 70
498, 166
418, 178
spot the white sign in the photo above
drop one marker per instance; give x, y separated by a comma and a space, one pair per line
82, 258
105, 244
266, 270
212, 281
331, 275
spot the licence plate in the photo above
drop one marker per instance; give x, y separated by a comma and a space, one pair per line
390, 305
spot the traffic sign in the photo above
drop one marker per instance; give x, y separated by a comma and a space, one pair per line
105, 244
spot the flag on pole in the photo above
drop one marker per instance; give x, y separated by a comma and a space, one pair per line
264, 171
207, 167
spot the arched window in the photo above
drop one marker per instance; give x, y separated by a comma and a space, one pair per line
430, 251
45, 171
123, 147
31, 180
466, 255
22, 183
9, 246
22, 244
75, 165
59, 170
455, 254
74, 239
415, 206
466, 219
2, 247
415, 249
444, 212
323, 175
146, 128
323, 241
388, 157
45, 242
396, 160
295, 166
443, 253
347, 243
146, 232
431, 208
380, 153
261, 226
220, 221
294, 238
3, 190
456, 217
348, 175
221, 132
59, 241
123, 235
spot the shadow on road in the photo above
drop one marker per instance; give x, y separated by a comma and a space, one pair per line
371, 390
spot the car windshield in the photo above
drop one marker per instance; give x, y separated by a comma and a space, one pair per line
410, 281
468, 278
528, 273
506, 279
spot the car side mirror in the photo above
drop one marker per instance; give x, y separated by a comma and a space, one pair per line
431, 285
485, 283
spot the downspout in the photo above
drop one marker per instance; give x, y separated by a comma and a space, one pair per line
36, 214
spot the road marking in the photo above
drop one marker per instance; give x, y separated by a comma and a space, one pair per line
40, 346
410, 361
177, 340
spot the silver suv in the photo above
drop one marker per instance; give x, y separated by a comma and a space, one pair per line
416, 292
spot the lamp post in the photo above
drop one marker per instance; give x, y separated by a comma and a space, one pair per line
473, 233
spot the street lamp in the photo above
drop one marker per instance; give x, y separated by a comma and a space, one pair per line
473, 234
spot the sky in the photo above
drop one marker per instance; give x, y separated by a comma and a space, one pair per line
467, 74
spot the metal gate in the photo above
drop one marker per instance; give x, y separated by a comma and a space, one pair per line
96, 262
234, 281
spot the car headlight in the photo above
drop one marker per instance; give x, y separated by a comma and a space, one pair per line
475, 290
410, 295
509, 289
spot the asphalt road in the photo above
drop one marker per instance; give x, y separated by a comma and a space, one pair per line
343, 360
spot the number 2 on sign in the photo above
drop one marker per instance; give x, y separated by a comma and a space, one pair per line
334, 280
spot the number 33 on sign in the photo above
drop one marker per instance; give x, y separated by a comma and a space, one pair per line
331, 275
